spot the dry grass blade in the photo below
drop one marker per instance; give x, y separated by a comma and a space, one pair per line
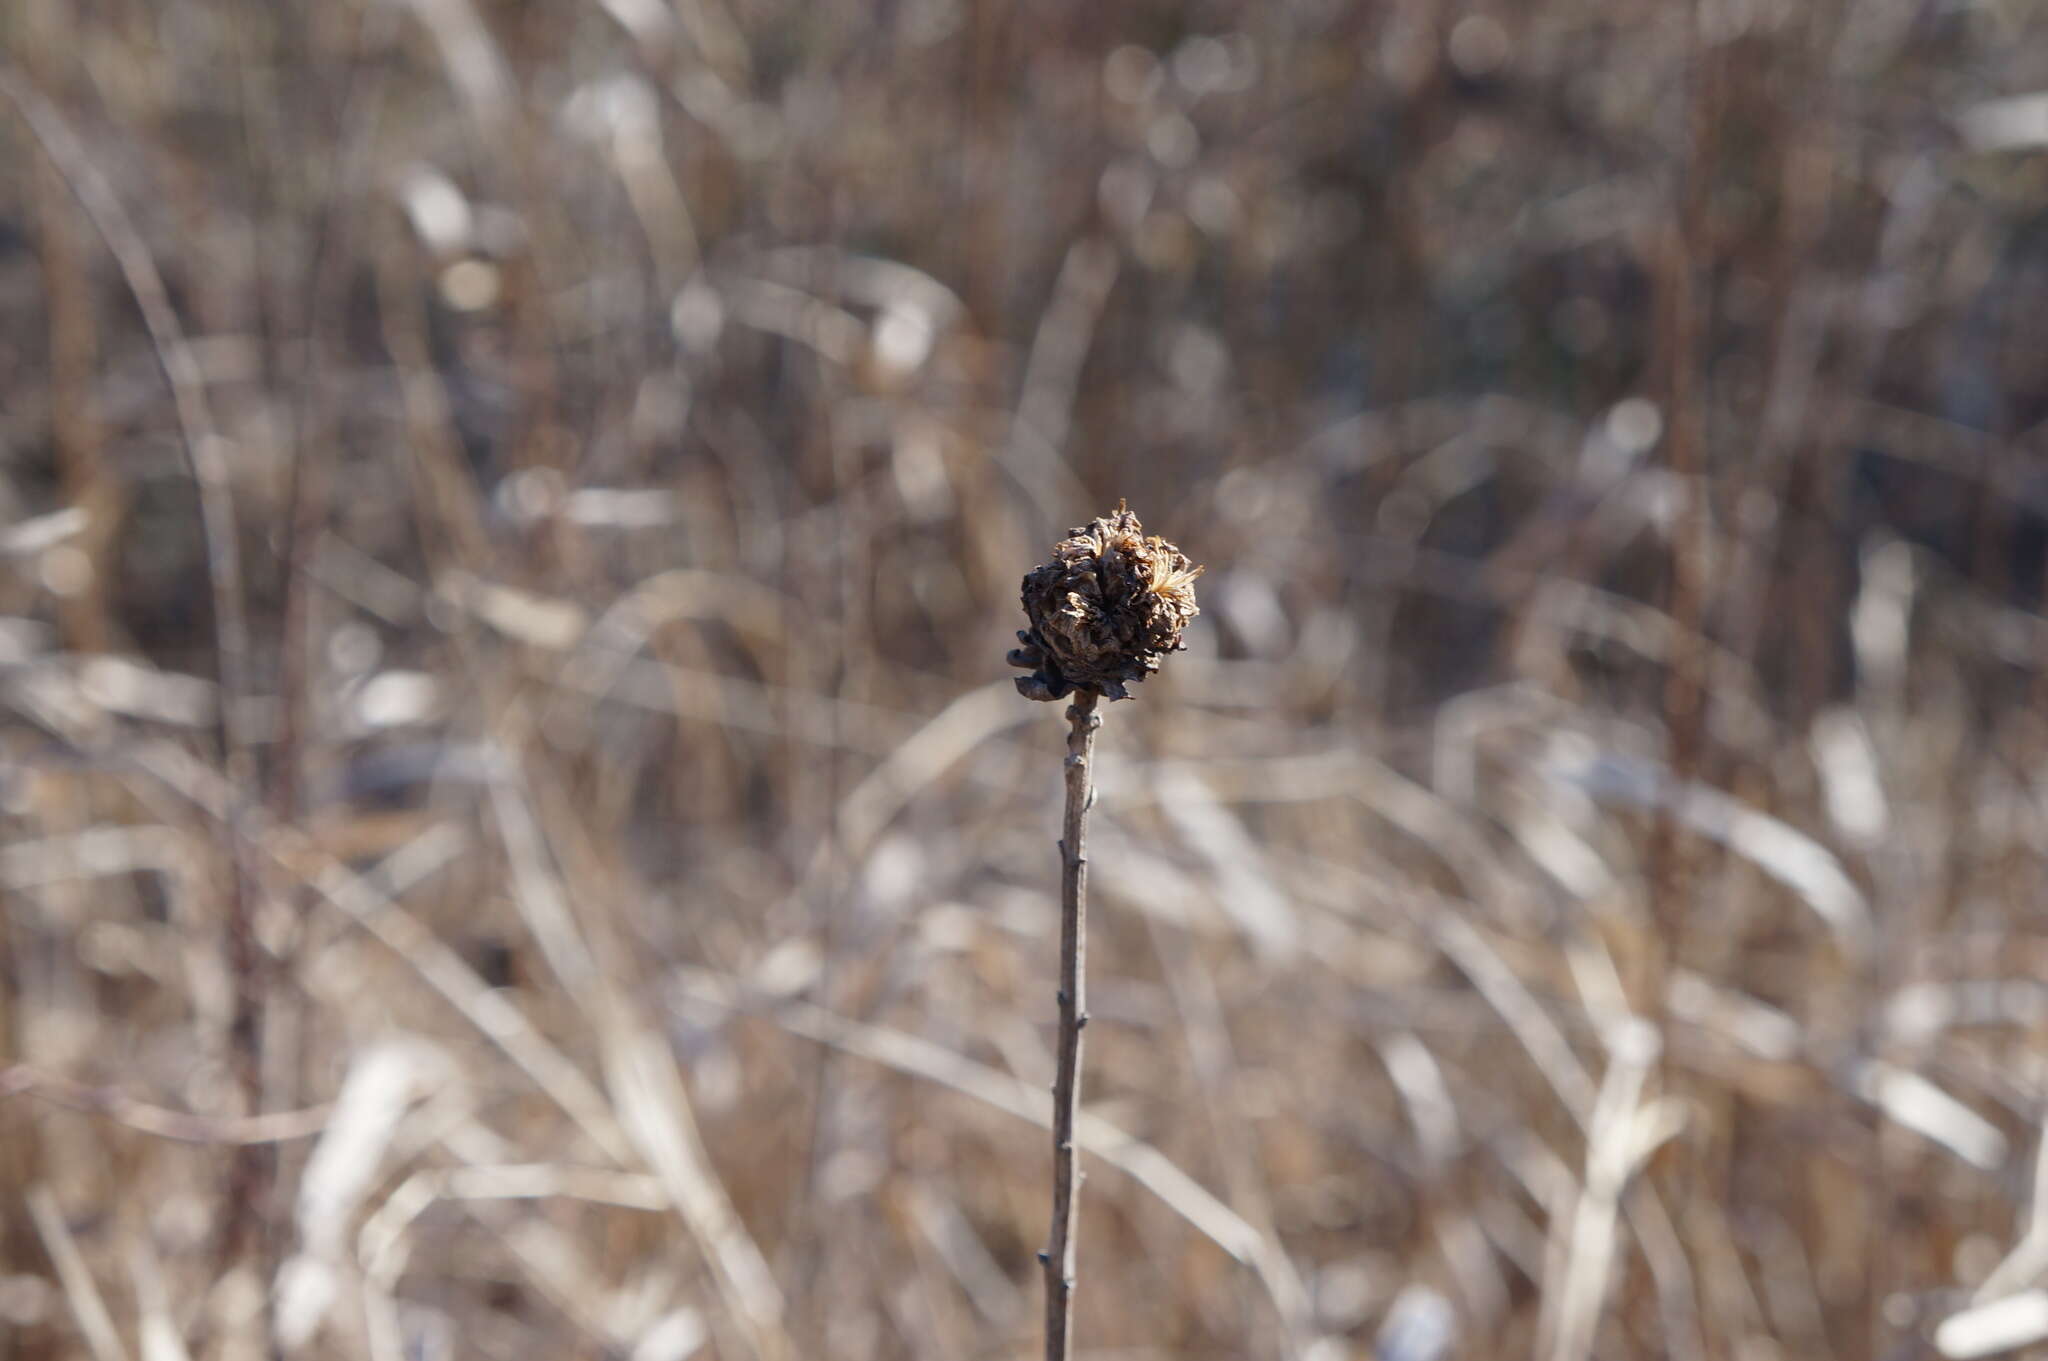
2028, 1257
88, 1306
1786, 854
157, 1329
381, 1244
1137, 1159
1245, 887
918, 761
1038, 438
1917, 1104
381, 1085
360, 900
961, 1250
542, 902
2004, 1325
1420, 1080
100, 851
653, 1109
1539, 1036
656, 1113
181, 1126
475, 65
1617, 1141
486, 1008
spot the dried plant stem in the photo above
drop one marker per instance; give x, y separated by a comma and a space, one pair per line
1058, 1257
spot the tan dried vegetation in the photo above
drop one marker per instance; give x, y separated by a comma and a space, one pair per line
514, 842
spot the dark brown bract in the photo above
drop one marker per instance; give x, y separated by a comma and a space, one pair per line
1105, 610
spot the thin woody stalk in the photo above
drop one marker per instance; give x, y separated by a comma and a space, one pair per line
1058, 1257
1104, 611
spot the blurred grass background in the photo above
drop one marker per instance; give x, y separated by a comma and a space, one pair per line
517, 839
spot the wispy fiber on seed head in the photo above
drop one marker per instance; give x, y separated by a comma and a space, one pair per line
1106, 609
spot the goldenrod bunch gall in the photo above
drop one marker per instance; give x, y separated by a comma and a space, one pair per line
1106, 609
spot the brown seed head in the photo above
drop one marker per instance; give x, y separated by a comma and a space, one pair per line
1106, 609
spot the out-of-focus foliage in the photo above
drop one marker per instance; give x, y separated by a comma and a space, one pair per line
1578, 897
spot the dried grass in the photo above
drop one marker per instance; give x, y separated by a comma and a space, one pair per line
1577, 897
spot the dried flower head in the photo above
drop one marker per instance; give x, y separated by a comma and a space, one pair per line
1106, 609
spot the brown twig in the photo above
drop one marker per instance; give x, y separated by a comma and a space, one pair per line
1058, 1257
1106, 609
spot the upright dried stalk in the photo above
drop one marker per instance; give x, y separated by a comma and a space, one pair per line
1105, 610
1058, 1257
